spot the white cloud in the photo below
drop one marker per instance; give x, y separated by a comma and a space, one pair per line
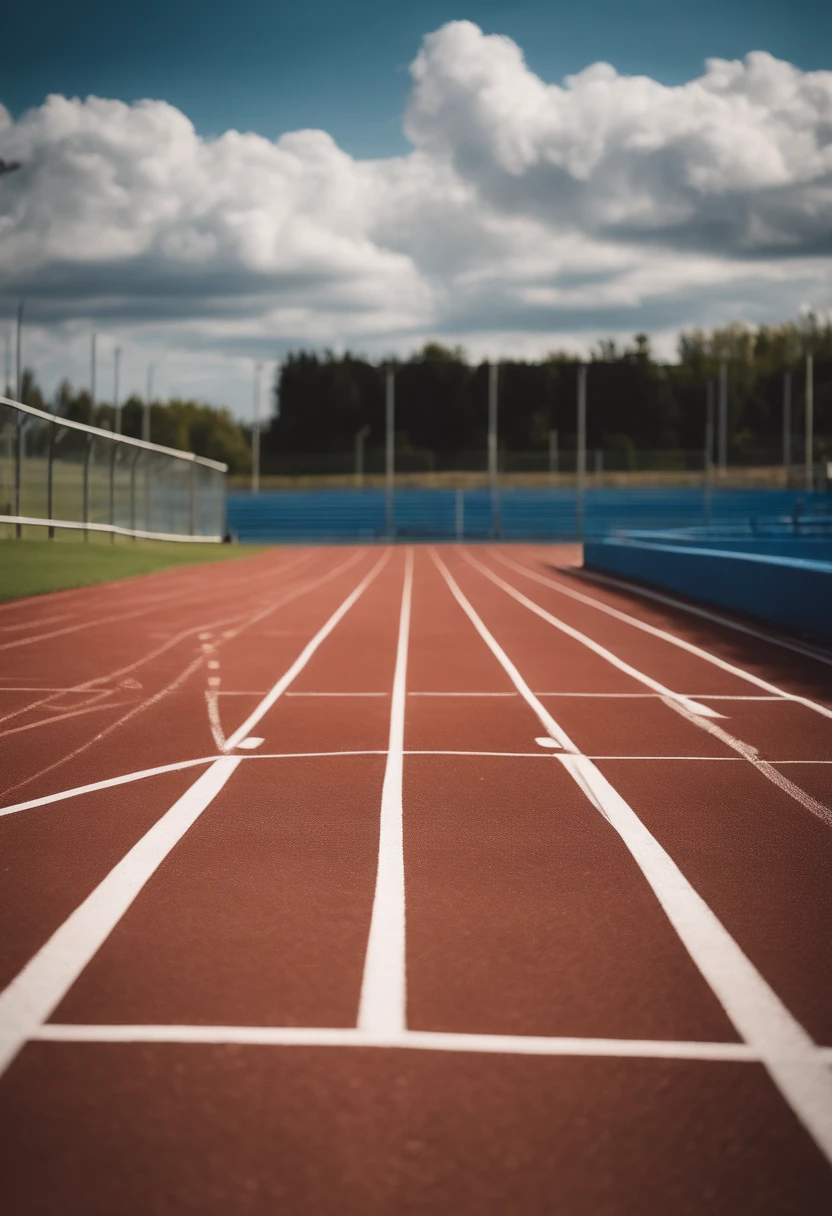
527, 211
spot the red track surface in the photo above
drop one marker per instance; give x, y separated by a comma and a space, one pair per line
399, 955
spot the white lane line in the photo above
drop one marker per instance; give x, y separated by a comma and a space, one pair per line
381, 1008
760, 1017
32, 995
464, 694
544, 717
124, 779
424, 1040
214, 721
756, 1011
620, 585
739, 672
693, 707
303, 658
337, 694
764, 767
47, 977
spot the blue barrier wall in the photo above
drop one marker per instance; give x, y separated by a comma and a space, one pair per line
321, 515
792, 593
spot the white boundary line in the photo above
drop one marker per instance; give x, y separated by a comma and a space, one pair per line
552, 728
303, 658
810, 652
670, 637
425, 1040
381, 1007
36, 990
693, 707
761, 1018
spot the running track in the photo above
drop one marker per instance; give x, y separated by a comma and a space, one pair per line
411, 880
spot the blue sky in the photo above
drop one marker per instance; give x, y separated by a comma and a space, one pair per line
404, 174
274, 67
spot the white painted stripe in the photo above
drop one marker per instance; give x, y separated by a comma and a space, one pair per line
47, 977
424, 1040
463, 694
36, 521
382, 1003
759, 1015
303, 658
693, 707
124, 779
544, 717
740, 672
337, 694
810, 652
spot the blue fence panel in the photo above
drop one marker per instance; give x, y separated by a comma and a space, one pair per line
286, 515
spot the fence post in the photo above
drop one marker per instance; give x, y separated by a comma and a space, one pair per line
580, 469
86, 490
493, 388
18, 462
133, 490
723, 418
460, 515
50, 461
192, 500
553, 455
787, 424
112, 490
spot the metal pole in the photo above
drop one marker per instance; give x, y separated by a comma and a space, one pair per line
92, 381
255, 433
709, 454
787, 423
553, 454
18, 462
580, 468
809, 447
19, 350
50, 461
133, 489
460, 515
116, 403
192, 500
723, 417
493, 373
146, 409
390, 423
112, 511
86, 489
360, 435
8, 390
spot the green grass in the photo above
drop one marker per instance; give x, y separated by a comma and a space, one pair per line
34, 567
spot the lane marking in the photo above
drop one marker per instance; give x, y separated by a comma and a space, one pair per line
425, 1040
31, 997
303, 658
109, 783
691, 711
214, 720
693, 707
758, 1014
462, 694
382, 1004
251, 742
43, 982
337, 694
544, 717
809, 652
672, 638
545, 741
752, 755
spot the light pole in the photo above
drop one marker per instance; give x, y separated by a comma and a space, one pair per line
92, 381
255, 432
146, 409
787, 423
809, 446
360, 436
493, 394
19, 349
390, 450
580, 468
723, 417
116, 405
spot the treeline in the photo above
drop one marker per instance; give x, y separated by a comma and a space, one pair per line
634, 402
187, 425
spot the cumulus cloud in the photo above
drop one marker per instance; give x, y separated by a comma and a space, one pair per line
524, 209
